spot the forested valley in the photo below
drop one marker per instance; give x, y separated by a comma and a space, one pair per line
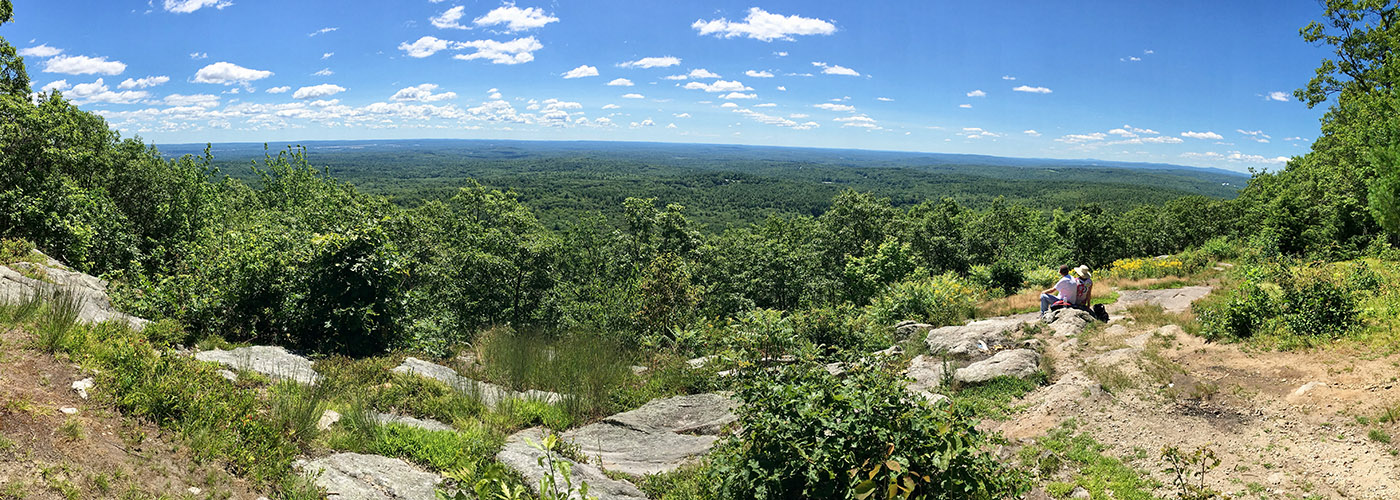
604, 278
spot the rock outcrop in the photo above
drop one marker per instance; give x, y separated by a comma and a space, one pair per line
1020, 363
1173, 300
1068, 321
658, 437
974, 340
95, 306
518, 455
491, 394
274, 362
352, 476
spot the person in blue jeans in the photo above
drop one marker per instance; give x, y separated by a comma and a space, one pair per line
1065, 289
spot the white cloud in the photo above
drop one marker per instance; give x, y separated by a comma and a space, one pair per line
424, 47
761, 25
781, 53
200, 100
449, 19
773, 120
83, 65
611, 106
41, 50
322, 31
1033, 90
682, 115
324, 72
519, 50
782, 88
1256, 135
670, 125
1201, 135
857, 121
738, 95
835, 107
833, 69
977, 133
702, 73
422, 93
278, 90
1278, 96
141, 83
766, 105
1144, 131
55, 85
327, 55
652, 62
1007, 77
98, 92
977, 93
1122, 132
1236, 157
620, 82
717, 86
798, 116
729, 105
1082, 138
675, 77
515, 18
1031, 132
884, 99
188, 6
199, 55
228, 73
583, 70
317, 91
965, 106
758, 74
633, 96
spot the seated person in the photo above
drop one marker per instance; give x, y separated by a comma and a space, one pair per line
1083, 286
1064, 290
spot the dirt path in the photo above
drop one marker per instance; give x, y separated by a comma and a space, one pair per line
1285, 425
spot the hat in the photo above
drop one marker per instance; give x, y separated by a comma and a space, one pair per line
1082, 271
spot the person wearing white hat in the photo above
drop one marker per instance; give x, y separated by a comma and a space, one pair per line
1083, 286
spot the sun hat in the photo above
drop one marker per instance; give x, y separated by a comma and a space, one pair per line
1082, 271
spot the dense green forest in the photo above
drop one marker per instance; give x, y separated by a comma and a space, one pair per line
404, 252
722, 186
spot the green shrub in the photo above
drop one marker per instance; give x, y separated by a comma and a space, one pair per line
1315, 305
1246, 311
765, 334
835, 328
809, 434
939, 300
1219, 248
15, 250
1003, 276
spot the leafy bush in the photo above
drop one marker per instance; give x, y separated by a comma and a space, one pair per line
939, 300
1313, 304
836, 328
1143, 268
1004, 276
765, 334
809, 434
1245, 312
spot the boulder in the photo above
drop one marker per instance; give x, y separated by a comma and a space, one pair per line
1174, 300
927, 373
425, 424
94, 306
272, 361
1068, 321
700, 414
328, 418
491, 394
518, 455
974, 340
660, 436
1020, 363
906, 329
347, 476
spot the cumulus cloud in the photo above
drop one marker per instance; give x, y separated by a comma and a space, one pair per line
1082, 138
324, 72
141, 83
611, 106
977, 93
765, 26
41, 50
188, 6
424, 47
738, 95
449, 19
884, 99
317, 91
515, 18
517, 51
620, 82
200, 100
60, 85
227, 73
702, 73
770, 119
965, 106
860, 121
835, 107
199, 55
582, 71
633, 96
758, 74
1033, 90
278, 90
422, 93
1256, 135
1007, 77
652, 62
98, 92
782, 88
327, 55
729, 105
1031, 132
717, 86
1201, 135
83, 65
1278, 96
766, 105
1236, 157
833, 69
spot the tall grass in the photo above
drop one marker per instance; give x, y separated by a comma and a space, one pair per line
55, 323
298, 408
584, 367
28, 305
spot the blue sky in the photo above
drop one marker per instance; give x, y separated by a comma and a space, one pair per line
1195, 83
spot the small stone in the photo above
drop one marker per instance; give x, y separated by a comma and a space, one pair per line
638, 370
82, 387
232, 377
1080, 492
329, 418
69, 410
194, 491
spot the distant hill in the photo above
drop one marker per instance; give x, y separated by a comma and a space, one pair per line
724, 184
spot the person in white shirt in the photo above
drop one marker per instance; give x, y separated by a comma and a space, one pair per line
1083, 286
1065, 290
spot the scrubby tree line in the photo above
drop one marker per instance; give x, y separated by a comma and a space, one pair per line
297, 257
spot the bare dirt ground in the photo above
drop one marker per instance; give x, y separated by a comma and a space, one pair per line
94, 453
1284, 424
